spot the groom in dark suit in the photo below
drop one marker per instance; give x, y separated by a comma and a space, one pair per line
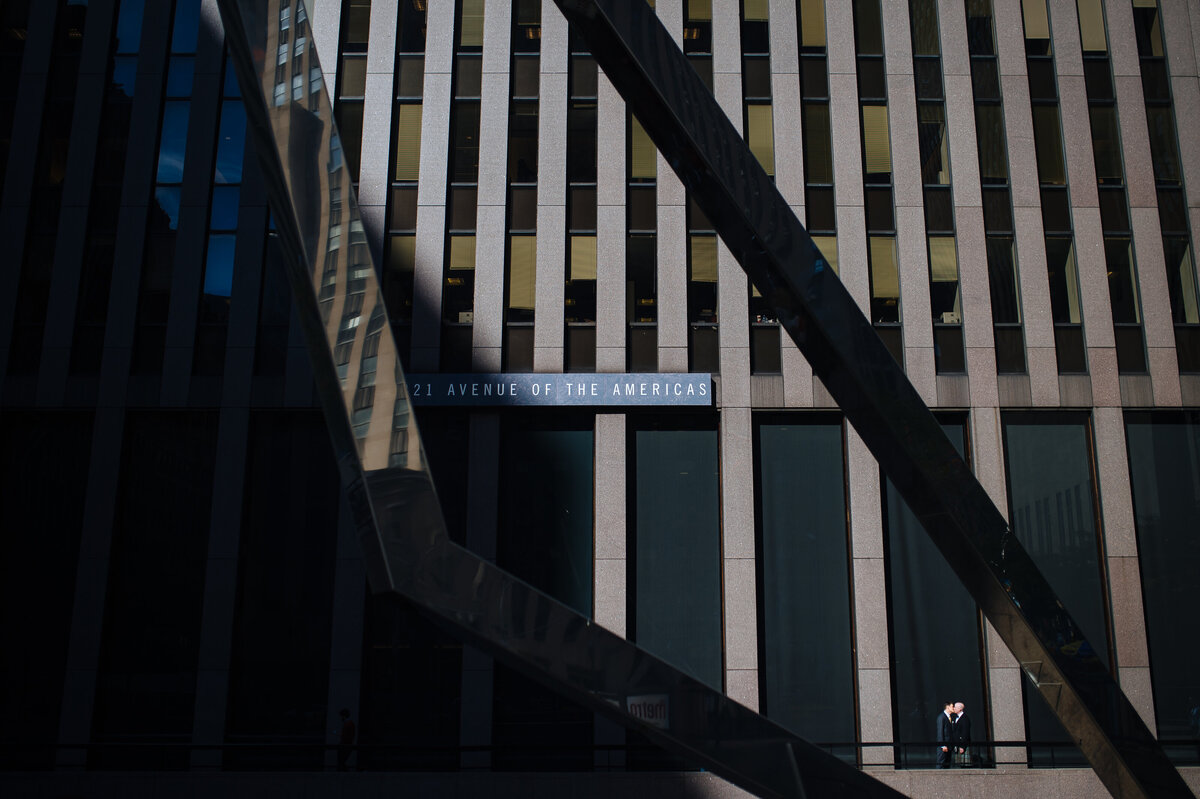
960, 732
945, 736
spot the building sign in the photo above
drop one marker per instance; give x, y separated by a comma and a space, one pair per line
653, 709
561, 389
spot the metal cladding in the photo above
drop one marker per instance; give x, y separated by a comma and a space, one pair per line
396, 509
711, 159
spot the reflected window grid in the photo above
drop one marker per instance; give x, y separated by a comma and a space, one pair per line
40, 226
1054, 506
164, 216
91, 306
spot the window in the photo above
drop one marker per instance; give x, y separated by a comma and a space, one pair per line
1164, 469
676, 537
804, 588
923, 667
1052, 507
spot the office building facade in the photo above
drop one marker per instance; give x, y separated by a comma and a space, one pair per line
1007, 187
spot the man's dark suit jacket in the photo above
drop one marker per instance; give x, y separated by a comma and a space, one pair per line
945, 729
961, 731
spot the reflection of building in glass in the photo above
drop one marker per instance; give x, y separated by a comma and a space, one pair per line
1005, 186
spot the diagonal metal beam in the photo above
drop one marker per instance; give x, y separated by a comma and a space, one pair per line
396, 511
725, 180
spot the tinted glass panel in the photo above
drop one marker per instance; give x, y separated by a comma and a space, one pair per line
1052, 508
677, 566
1002, 277
42, 491
410, 669
933, 651
279, 670
1164, 464
545, 538
145, 690
805, 591
545, 534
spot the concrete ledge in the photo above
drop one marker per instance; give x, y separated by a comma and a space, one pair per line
1067, 783
920, 784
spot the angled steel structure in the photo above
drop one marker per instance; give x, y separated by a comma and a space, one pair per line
396, 509
753, 219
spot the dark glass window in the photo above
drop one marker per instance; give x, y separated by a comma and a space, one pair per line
1164, 466
676, 534
411, 669
279, 666
544, 538
804, 594
545, 534
522, 142
145, 688
464, 155
42, 493
1052, 507
1003, 282
935, 631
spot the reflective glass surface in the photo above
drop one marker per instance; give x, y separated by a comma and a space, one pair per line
1164, 467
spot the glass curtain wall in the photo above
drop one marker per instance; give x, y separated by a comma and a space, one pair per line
146, 680
162, 224
49, 179
544, 538
212, 325
410, 667
1164, 465
95, 278
675, 532
1053, 505
934, 629
40, 490
806, 652
279, 661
